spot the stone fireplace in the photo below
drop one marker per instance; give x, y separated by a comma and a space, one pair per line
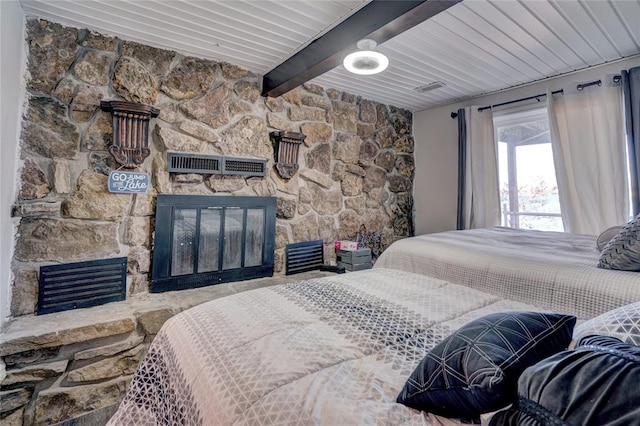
355, 165
356, 168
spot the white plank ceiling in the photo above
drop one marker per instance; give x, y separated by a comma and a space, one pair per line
474, 47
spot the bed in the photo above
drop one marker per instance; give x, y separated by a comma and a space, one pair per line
554, 270
337, 350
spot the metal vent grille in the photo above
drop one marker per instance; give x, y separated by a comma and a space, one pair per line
178, 162
193, 163
244, 166
430, 86
305, 256
81, 284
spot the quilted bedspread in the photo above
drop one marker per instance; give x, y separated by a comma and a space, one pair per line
327, 351
553, 270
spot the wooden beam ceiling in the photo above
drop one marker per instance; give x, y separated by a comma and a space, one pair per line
379, 20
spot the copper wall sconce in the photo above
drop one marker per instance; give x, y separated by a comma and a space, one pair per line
287, 145
130, 131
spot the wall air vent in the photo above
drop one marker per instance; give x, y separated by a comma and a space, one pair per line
179, 162
244, 166
430, 86
81, 284
304, 256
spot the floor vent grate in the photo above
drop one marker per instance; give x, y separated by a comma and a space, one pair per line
81, 284
305, 256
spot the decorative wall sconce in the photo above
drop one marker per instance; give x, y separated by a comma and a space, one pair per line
130, 131
287, 145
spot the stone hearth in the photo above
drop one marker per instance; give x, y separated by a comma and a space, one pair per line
78, 363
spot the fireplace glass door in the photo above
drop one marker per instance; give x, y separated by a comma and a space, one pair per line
209, 247
204, 240
254, 237
184, 234
189, 224
233, 226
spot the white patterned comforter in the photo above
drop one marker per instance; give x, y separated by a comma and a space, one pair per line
327, 351
553, 270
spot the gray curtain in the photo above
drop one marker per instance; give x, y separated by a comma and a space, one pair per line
478, 195
462, 161
631, 96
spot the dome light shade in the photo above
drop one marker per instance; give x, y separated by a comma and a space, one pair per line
366, 62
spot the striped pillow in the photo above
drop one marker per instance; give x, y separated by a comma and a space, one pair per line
623, 251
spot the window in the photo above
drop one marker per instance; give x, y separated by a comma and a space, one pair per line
528, 189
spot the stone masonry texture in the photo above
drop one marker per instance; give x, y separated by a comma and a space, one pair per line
356, 168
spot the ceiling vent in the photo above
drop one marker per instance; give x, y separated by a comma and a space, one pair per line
429, 86
179, 162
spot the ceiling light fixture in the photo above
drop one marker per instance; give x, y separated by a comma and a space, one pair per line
365, 61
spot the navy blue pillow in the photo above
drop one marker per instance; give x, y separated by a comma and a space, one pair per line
476, 369
595, 384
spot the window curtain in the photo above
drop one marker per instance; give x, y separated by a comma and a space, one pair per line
462, 161
478, 192
631, 95
589, 156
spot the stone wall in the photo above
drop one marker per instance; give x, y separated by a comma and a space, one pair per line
356, 167
356, 164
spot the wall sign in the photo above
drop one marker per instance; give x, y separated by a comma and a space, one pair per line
128, 182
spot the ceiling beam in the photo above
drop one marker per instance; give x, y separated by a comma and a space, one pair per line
379, 20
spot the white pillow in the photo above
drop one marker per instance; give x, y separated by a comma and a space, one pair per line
622, 322
606, 236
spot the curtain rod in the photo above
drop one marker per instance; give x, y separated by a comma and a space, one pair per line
616, 80
455, 114
528, 98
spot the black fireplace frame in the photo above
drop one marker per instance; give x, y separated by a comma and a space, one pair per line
161, 279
